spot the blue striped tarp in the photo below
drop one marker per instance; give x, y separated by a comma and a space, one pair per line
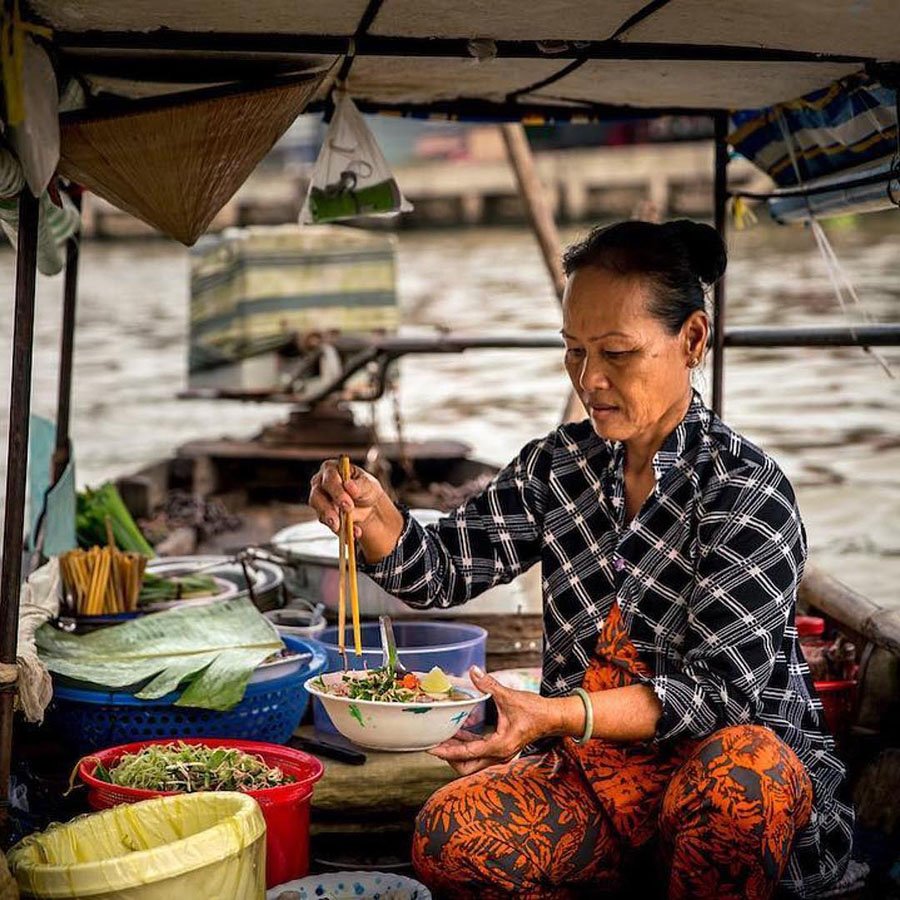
849, 124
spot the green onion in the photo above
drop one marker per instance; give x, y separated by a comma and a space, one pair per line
157, 588
188, 768
94, 508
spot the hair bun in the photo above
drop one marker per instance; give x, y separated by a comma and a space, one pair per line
706, 252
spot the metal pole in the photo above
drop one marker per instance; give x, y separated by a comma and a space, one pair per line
720, 201
815, 336
62, 452
16, 468
542, 223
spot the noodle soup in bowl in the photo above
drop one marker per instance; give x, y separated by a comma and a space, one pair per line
398, 725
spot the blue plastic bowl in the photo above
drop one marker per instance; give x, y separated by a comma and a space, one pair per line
420, 646
269, 711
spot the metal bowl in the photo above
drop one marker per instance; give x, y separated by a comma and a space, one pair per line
313, 548
266, 578
227, 590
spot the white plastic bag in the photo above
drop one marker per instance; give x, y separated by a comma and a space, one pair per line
351, 177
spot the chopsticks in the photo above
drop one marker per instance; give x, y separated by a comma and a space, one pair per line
101, 580
347, 574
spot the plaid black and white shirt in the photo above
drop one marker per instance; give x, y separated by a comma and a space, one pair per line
705, 577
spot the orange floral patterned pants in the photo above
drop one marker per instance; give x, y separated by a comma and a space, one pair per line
564, 824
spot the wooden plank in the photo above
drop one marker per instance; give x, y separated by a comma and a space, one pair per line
880, 779
853, 610
540, 215
145, 491
227, 449
514, 641
181, 542
205, 477
389, 788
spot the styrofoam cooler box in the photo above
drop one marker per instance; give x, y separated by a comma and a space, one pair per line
253, 287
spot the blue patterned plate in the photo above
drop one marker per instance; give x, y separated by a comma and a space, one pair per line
352, 886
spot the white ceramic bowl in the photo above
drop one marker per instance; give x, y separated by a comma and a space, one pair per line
380, 725
302, 621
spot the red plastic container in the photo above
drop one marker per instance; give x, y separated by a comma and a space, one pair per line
810, 626
837, 700
285, 808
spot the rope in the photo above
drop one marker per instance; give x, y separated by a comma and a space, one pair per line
643, 13
551, 79
836, 272
365, 22
895, 163
340, 80
12, 179
9, 673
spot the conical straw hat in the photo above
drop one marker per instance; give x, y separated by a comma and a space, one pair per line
177, 165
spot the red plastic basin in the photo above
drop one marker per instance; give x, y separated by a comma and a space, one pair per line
285, 808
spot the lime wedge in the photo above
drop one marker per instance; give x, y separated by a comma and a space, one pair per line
436, 682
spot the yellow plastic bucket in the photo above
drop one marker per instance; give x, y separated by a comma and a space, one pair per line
209, 845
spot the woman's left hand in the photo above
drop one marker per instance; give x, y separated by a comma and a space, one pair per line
522, 718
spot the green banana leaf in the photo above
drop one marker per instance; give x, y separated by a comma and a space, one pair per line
213, 649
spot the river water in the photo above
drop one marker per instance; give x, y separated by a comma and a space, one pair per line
831, 417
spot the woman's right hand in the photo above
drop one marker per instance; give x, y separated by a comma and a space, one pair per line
330, 495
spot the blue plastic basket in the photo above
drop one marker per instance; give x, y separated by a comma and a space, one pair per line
269, 711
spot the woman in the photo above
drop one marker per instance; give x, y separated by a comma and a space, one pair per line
676, 704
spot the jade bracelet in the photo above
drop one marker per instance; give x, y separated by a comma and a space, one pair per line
588, 715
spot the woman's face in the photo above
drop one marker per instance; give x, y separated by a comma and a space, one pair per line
626, 367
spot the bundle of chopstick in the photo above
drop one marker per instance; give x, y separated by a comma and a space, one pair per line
102, 580
347, 583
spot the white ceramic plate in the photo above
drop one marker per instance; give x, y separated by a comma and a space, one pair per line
523, 679
380, 725
278, 668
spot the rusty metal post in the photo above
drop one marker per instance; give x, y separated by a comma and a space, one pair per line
62, 452
720, 202
16, 469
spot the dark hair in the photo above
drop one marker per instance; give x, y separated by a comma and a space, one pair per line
679, 258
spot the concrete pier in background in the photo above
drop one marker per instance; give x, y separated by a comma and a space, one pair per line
581, 184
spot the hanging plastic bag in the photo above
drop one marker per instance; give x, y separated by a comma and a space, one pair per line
351, 177
56, 224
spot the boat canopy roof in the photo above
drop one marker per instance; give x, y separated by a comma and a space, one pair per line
468, 58
148, 87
